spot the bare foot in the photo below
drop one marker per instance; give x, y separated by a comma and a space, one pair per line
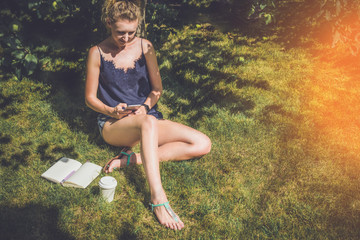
167, 216
121, 162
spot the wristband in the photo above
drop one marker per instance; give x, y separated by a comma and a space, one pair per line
146, 107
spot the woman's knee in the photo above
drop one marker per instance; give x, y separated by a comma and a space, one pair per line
203, 145
149, 122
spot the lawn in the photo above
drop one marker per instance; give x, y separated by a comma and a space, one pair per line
283, 121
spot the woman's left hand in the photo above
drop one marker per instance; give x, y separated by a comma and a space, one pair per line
140, 111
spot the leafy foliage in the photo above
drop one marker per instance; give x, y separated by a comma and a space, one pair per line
24, 23
161, 21
343, 16
334, 22
201, 3
253, 10
17, 57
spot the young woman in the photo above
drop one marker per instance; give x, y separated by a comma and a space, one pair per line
122, 70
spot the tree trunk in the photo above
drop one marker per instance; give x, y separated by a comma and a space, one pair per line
141, 31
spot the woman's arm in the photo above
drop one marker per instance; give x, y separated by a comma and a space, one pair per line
92, 84
154, 74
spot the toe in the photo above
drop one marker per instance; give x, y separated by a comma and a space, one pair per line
179, 227
167, 220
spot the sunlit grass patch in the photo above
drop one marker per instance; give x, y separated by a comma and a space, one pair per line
273, 146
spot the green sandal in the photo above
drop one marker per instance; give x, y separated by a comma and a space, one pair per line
128, 158
123, 152
167, 207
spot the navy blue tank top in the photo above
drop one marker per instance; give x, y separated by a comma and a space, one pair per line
119, 86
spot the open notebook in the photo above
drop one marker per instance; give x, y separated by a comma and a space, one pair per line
71, 173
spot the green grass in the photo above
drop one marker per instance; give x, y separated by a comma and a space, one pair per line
272, 172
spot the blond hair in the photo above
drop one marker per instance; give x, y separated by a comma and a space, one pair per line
112, 10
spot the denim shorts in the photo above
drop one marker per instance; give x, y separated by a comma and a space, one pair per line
101, 120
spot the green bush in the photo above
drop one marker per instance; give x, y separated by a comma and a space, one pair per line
161, 21
31, 31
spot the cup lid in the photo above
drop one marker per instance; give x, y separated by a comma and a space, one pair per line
107, 182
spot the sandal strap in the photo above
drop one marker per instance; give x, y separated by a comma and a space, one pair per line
128, 157
119, 156
168, 209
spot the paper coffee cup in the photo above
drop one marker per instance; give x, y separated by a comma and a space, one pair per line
107, 188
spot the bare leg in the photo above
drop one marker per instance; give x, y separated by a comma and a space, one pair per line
176, 142
129, 131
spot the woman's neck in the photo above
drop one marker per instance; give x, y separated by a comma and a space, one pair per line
119, 47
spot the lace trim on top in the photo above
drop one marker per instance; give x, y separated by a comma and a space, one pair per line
124, 69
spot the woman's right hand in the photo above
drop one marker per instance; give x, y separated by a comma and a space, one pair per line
120, 112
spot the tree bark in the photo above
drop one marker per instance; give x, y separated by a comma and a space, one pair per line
141, 31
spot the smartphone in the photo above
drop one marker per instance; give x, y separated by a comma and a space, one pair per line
132, 107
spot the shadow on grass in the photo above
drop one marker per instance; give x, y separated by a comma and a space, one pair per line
68, 100
200, 99
136, 178
30, 222
44, 156
16, 159
64, 47
127, 232
7, 107
5, 139
21, 158
68, 151
202, 86
269, 111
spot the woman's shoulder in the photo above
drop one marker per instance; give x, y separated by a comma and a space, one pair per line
94, 55
146, 45
144, 40
100, 47
103, 46
94, 51
94, 48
